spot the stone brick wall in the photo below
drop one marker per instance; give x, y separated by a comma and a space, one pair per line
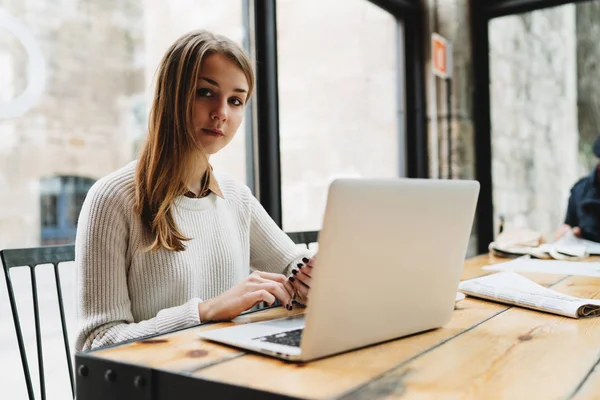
533, 73
85, 122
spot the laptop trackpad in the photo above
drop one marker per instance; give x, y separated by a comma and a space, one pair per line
284, 324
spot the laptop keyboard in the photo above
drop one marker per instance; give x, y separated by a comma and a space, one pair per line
289, 338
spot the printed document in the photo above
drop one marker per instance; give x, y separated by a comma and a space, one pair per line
527, 264
515, 289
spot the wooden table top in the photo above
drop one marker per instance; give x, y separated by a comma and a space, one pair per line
488, 350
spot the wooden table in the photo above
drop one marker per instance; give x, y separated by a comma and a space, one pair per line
487, 351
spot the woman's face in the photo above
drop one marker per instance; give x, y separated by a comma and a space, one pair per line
220, 101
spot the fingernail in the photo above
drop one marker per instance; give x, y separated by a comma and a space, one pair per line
292, 279
288, 307
299, 265
305, 260
294, 271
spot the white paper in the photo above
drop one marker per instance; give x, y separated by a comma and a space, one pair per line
527, 264
459, 297
571, 240
515, 289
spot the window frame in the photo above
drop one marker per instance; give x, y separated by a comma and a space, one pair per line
267, 165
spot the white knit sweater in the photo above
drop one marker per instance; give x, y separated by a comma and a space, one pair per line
125, 292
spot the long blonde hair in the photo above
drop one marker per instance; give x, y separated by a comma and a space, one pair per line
171, 145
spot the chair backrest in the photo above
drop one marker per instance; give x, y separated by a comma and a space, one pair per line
305, 238
32, 257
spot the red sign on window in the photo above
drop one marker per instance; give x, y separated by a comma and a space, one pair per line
441, 50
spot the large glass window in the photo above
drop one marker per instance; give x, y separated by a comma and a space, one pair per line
75, 87
340, 111
545, 110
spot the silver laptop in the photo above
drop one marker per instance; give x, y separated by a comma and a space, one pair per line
391, 252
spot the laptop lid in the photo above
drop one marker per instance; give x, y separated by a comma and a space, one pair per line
391, 252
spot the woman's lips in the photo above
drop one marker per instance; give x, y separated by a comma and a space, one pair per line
213, 132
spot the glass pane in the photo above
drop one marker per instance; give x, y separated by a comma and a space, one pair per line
338, 100
545, 108
49, 211
75, 83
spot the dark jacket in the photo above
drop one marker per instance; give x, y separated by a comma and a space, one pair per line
584, 207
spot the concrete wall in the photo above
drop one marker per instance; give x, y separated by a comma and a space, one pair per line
533, 73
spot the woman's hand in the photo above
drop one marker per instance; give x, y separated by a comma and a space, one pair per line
256, 288
563, 229
301, 279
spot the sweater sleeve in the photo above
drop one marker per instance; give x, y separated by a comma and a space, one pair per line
103, 303
271, 249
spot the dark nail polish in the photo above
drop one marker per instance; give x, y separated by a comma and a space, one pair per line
292, 279
298, 304
294, 271
299, 265
288, 307
305, 260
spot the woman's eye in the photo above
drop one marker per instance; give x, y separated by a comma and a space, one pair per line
236, 102
203, 92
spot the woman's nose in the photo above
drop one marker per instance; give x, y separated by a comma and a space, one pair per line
219, 113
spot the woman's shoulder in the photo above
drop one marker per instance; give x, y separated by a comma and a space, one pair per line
118, 185
232, 188
228, 183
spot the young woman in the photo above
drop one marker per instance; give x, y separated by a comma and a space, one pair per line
165, 242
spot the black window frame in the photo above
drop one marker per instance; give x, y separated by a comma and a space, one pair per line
267, 166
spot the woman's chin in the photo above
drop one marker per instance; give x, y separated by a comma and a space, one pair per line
210, 147
210, 150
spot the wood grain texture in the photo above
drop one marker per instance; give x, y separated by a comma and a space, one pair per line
339, 375
487, 350
519, 354
183, 351
333, 376
589, 388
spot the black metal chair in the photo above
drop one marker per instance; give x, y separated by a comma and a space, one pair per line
32, 257
305, 238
